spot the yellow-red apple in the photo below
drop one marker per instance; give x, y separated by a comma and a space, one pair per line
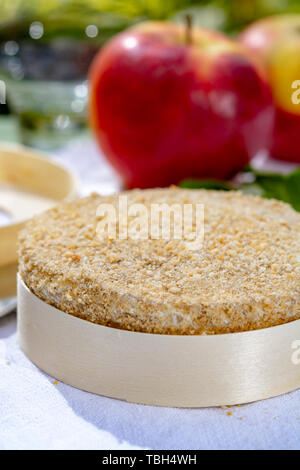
276, 41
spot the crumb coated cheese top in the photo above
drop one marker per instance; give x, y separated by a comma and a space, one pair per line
245, 276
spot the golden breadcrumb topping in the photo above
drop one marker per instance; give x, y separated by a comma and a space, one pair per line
245, 276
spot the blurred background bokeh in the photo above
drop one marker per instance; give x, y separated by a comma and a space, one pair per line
46, 48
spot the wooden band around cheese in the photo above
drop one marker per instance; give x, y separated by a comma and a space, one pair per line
164, 370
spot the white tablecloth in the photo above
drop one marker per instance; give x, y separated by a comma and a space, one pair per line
36, 412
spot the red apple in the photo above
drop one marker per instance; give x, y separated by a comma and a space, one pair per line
168, 103
276, 41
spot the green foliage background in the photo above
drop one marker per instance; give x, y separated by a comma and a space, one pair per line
114, 15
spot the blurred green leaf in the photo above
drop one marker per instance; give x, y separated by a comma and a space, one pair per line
205, 184
285, 188
293, 182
